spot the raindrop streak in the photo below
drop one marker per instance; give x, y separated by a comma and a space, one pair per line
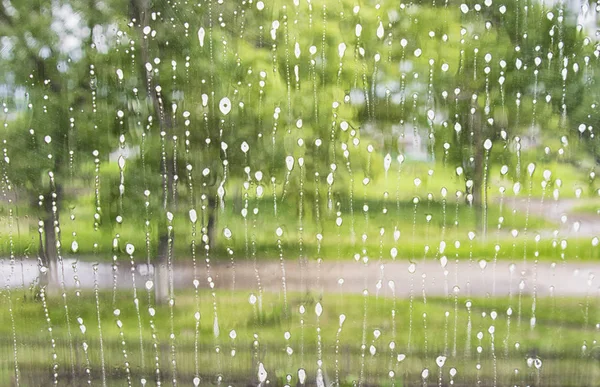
98, 318
279, 234
342, 319
363, 346
130, 249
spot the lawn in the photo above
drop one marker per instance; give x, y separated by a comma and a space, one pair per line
235, 333
414, 228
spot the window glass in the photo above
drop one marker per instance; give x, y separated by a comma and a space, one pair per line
306, 192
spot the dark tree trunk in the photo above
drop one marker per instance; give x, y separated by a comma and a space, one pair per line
48, 252
211, 221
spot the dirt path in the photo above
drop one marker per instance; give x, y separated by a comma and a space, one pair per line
553, 210
564, 279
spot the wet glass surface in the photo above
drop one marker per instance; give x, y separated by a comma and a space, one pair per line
299, 193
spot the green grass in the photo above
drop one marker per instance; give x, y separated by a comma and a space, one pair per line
451, 220
418, 237
591, 208
563, 326
444, 176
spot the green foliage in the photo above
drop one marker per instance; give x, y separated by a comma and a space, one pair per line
153, 75
564, 319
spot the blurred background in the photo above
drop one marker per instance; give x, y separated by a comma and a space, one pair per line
369, 193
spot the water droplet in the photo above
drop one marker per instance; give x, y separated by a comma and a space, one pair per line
193, 215
262, 373
387, 162
289, 163
380, 30
412, 268
225, 105
201, 35
440, 361
301, 376
358, 30
318, 309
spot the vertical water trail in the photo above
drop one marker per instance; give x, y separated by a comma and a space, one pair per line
351, 194
302, 259
453, 370
479, 350
302, 310
492, 331
279, 234
211, 284
381, 266
59, 256
252, 299
497, 246
84, 345
342, 318
289, 351
119, 323
440, 361
509, 312
533, 320
446, 326
487, 145
468, 305
424, 376
17, 372
98, 318
55, 364
319, 312
414, 225
286, 44
150, 283
412, 267
456, 291
130, 249
289, 163
425, 342
363, 346
471, 236
530, 170
400, 160
253, 242
392, 345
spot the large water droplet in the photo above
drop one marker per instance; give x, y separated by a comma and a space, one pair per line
225, 105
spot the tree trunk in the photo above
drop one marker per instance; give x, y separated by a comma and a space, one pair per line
211, 221
162, 285
166, 239
48, 252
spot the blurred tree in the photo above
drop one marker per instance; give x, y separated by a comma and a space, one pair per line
488, 72
49, 55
